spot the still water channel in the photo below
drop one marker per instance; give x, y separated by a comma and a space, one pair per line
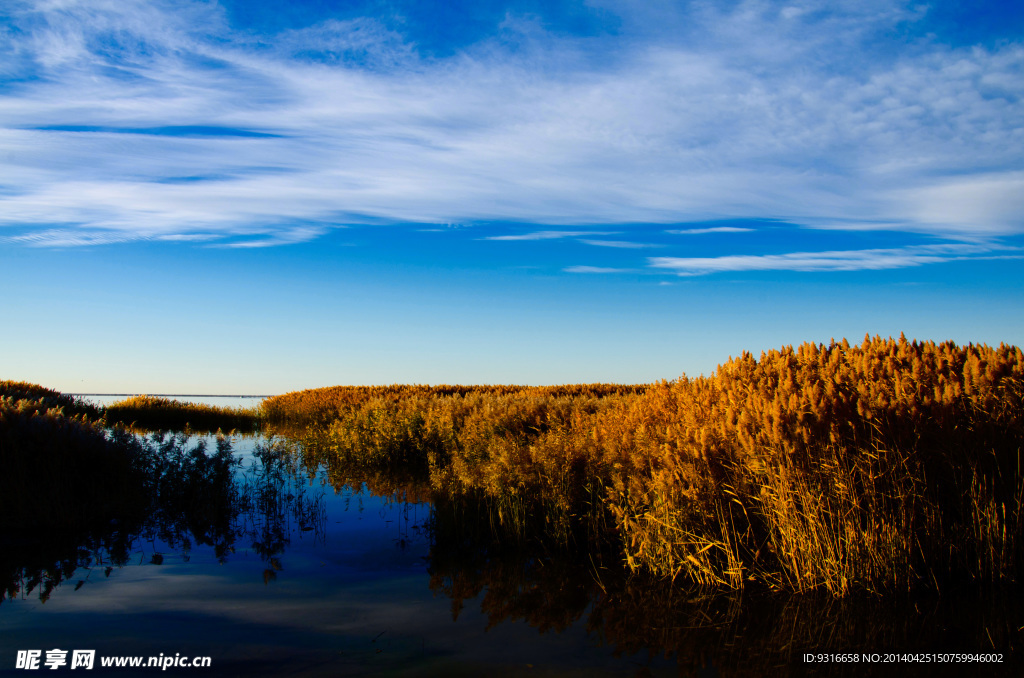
311, 577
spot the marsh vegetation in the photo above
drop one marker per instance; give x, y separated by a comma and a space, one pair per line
886, 466
144, 412
824, 496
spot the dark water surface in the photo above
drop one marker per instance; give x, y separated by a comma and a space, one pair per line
333, 583
310, 579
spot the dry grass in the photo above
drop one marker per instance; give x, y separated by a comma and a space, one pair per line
881, 466
886, 466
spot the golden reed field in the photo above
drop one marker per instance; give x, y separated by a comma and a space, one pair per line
886, 466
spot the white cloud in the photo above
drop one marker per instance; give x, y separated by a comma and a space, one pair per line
190, 237
849, 260
546, 235
758, 113
333, 41
289, 236
991, 203
621, 244
58, 237
595, 269
713, 229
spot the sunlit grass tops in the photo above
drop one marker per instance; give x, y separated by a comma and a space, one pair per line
323, 405
43, 398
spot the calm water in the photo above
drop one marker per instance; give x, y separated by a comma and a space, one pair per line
344, 588
311, 579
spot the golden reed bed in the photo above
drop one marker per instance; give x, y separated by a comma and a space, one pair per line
885, 466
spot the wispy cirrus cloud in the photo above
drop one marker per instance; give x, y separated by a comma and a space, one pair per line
595, 269
547, 235
760, 110
712, 229
845, 260
281, 236
620, 244
191, 131
64, 237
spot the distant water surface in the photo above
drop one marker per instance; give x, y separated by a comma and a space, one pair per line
105, 399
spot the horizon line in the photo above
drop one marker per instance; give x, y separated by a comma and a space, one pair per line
177, 395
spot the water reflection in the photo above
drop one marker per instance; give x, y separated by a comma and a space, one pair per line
703, 633
293, 558
711, 633
199, 498
273, 506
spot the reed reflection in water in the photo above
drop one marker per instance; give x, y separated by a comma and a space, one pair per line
198, 499
317, 569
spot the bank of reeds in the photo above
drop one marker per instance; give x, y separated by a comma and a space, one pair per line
49, 399
75, 492
166, 414
65, 472
477, 445
57, 461
884, 466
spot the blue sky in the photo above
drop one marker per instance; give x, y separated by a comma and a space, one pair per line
237, 197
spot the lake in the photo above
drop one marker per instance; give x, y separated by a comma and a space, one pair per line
313, 577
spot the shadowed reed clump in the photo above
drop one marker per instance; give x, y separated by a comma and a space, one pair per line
78, 495
70, 479
63, 471
886, 466
166, 414
67, 477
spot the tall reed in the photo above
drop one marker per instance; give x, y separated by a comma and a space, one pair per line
881, 466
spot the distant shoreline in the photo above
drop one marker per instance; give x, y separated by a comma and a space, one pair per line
169, 395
